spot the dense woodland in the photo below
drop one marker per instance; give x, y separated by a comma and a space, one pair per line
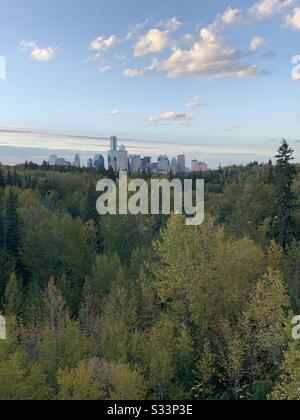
145, 307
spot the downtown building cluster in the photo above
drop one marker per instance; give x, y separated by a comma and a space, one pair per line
119, 160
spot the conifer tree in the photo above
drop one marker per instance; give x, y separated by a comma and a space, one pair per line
283, 227
12, 226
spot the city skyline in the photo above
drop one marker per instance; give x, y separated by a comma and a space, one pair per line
201, 77
119, 160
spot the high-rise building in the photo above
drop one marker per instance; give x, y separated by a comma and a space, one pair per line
90, 163
163, 165
113, 154
77, 163
135, 164
174, 166
122, 159
181, 164
99, 162
114, 143
146, 164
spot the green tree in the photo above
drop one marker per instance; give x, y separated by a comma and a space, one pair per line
287, 388
78, 385
12, 226
283, 228
14, 297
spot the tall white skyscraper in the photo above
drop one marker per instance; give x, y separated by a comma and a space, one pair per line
122, 159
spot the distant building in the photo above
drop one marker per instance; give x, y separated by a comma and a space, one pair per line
99, 162
52, 160
113, 154
146, 164
122, 159
154, 167
114, 143
135, 164
199, 166
61, 162
77, 163
163, 165
181, 164
90, 163
174, 166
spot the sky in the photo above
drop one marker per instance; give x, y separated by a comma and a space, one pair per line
217, 80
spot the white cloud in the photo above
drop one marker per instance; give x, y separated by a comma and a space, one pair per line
171, 25
228, 18
139, 73
256, 43
195, 101
155, 41
265, 9
38, 53
104, 69
231, 16
102, 43
114, 112
210, 57
169, 117
293, 21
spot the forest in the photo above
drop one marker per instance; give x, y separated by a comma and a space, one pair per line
145, 307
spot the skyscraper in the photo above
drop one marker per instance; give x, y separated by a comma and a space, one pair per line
174, 166
114, 143
163, 165
146, 164
181, 164
122, 159
77, 161
135, 164
99, 162
113, 154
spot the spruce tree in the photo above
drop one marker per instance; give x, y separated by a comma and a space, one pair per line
12, 226
2, 181
283, 226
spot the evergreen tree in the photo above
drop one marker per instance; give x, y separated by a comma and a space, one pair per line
283, 227
2, 181
12, 226
9, 180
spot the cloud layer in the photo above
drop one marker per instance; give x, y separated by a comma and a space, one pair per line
38, 53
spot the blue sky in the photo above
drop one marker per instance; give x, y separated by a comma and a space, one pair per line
207, 77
